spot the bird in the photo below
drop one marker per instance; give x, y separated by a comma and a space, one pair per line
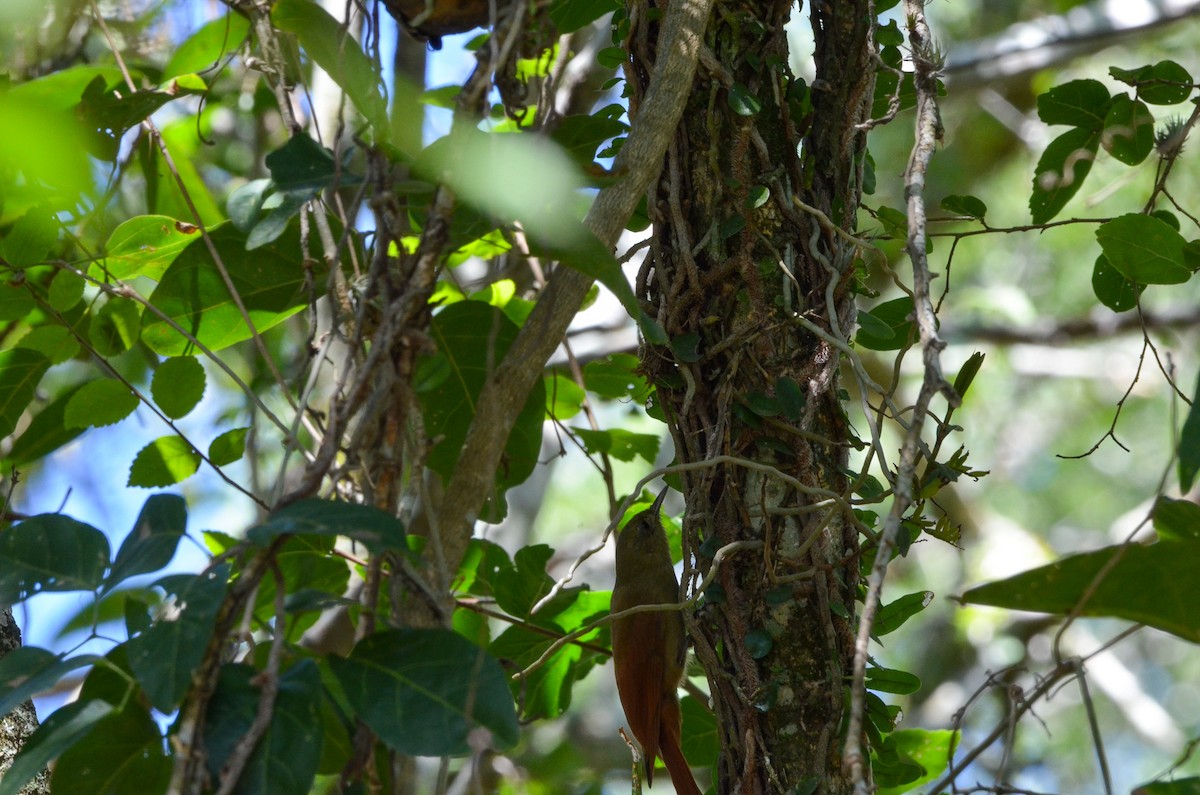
649, 649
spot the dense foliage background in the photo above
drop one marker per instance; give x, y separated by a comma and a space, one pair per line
152, 420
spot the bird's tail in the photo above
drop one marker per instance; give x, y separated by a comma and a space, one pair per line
672, 753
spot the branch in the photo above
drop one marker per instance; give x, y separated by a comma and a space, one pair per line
639, 161
1100, 325
1027, 47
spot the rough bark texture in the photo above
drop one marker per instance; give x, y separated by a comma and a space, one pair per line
729, 275
16, 726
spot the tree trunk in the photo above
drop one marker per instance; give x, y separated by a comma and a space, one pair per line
756, 292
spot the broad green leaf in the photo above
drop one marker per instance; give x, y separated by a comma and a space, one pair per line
615, 377
472, 339
619, 443
15, 301
571, 15
1189, 444
20, 372
164, 462
969, 206
46, 432
1079, 103
246, 202
56, 343
966, 376
65, 291
104, 401
309, 572
228, 447
581, 134
27, 671
743, 101
701, 743
1144, 249
178, 385
146, 245
564, 397
41, 140
59, 732
887, 327
1164, 83
122, 753
115, 327
930, 750
105, 115
1179, 786
791, 398
1176, 520
332, 47
893, 615
285, 760
1128, 131
481, 565
303, 164
429, 678
270, 281
519, 587
1060, 587
151, 543
1061, 170
31, 238
545, 693
886, 680
1112, 288
205, 48
50, 552
165, 655
378, 530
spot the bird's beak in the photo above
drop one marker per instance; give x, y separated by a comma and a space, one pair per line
658, 501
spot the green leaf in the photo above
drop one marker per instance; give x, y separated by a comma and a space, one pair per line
930, 750
115, 327
571, 15
178, 385
581, 134
146, 245
1060, 587
1189, 444
104, 401
1164, 83
1144, 249
518, 587
45, 433
285, 760
31, 238
165, 655
205, 48
1079, 103
55, 342
378, 530
966, 375
887, 327
791, 398
1112, 288
164, 462
886, 680
969, 206
1179, 786
701, 743
1176, 520
1128, 131
246, 202
545, 693
153, 540
50, 552
20, 372
123, 753
616, 377
330, 44
1061, 170
270, 281
893, 615
743, 102
27, 671
303, 164
15, 301
228, 447
105, 116
472, 339
431, 678
65, 291
59, 732
564, 397
619, 443
759, 643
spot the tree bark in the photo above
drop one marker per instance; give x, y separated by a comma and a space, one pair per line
16, 726
756, 290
